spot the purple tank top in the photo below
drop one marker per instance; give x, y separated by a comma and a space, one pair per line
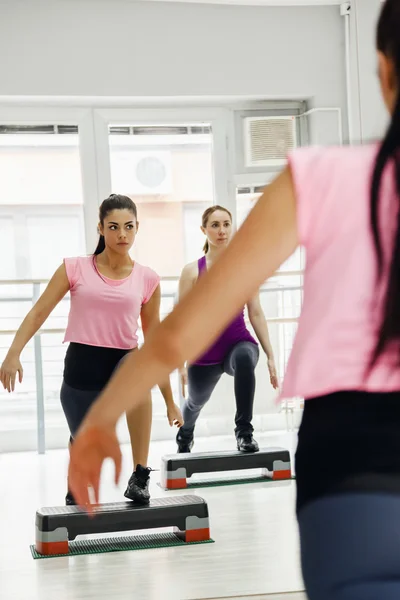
235, 332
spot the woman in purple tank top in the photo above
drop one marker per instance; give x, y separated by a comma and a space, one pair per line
235, 352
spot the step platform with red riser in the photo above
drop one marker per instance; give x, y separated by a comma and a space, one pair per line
56, 526
176, 469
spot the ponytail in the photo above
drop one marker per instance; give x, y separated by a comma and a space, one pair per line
101, 246
206, 247
389, 153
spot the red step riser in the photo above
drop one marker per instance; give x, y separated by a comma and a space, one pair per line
197, 535
49, 548
279, 475
176, 484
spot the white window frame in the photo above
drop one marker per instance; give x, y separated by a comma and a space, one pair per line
83, 118
219, 120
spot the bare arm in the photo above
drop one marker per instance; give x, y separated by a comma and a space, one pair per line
55, 291
266, 239
187, 279
150, 317
186, 282
260, 326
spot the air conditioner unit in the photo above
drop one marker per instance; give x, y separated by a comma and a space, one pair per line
267, 140
141, 173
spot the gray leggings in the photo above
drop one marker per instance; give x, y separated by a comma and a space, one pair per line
239, 363
350, 546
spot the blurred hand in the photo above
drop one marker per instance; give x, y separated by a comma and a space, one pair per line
272, 374
174, 416
8, 372
92, 445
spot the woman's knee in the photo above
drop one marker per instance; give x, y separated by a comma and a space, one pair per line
245, 356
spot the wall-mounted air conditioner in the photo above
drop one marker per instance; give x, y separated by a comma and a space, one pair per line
267, 140
141, 172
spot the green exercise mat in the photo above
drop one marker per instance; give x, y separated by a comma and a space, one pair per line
121, 544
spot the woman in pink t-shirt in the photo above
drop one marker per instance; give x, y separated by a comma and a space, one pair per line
109, 293
342, 205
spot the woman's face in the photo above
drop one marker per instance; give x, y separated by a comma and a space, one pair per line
218, 229
388, 81
119, 230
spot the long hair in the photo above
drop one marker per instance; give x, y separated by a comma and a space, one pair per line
113, 202
204, 220
388, 42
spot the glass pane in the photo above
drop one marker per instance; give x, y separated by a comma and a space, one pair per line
168, 173
63, 233
8, 268
41, 222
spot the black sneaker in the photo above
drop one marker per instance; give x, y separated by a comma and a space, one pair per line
138, 486
246, 443
69, 500
185, 445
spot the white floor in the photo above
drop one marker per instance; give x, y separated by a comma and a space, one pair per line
255, 552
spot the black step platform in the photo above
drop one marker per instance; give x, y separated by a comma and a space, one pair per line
177, 468
188, 515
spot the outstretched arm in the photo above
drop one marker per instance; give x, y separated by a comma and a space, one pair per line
260, 326
55, 291
267, 238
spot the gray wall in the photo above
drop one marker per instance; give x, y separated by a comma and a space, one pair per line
122, 48
370, 117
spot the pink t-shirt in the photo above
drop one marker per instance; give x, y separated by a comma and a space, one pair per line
105, 312
342, 306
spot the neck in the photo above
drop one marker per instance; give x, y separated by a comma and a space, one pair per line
213, 253
113, 260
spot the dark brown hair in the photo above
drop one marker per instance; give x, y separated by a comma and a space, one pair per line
388, 42
204, 220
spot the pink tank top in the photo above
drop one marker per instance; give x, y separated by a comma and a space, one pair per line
105, 312
341, 313
235, 332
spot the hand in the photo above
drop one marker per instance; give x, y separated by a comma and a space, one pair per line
183, 374
272, 374
92, 445
174, 416
8, 372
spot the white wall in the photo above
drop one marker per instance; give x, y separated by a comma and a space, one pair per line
123, 48
369, 113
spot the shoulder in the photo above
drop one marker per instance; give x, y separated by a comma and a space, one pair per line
75, 265
315, 161
78, 260
328, 183
146, 273
190, 271
149, 281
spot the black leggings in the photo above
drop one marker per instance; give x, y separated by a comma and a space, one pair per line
240, 363
76, 404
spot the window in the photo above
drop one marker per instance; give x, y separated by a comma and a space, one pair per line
41, 222
168, 173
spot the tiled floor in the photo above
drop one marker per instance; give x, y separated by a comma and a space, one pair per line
254, 527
